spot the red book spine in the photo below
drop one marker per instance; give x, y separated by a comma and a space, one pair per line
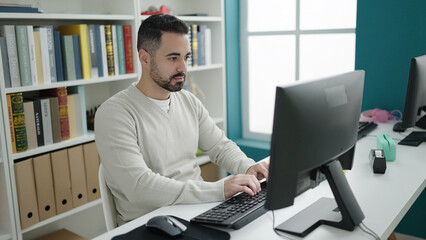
61, 94
128, 49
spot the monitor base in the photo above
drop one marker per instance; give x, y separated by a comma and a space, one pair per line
421, 123
341, 212
322, 211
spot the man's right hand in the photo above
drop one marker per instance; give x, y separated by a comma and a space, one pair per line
241, 183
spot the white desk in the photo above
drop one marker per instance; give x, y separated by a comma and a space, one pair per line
384, 198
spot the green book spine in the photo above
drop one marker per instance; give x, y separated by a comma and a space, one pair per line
68, 57
19, 122
120, 50
23, 55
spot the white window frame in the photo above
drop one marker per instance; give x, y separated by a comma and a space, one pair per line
244, 35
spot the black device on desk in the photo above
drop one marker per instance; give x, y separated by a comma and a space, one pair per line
304, 152
365, 128
304, 149
237, 211
415, 98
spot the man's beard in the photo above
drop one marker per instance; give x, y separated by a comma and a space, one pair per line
166, 83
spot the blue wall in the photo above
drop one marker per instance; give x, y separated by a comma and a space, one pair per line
389, 34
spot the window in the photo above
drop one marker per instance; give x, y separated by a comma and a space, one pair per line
283, 41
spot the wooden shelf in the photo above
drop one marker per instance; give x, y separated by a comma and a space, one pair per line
192, 18
72, 83
4, 235
204, 67
63, 215
90, 136
65, 16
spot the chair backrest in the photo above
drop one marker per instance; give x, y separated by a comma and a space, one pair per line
108, 205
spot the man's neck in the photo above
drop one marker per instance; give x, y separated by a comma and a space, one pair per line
150, 89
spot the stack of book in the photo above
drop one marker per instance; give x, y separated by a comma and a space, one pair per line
35, 55
55, 115
201, 45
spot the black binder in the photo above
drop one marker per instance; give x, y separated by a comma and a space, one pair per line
193, 231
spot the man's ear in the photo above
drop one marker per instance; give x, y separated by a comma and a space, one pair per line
144, 57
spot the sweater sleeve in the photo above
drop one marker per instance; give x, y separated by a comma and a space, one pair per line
221, 150
132, 182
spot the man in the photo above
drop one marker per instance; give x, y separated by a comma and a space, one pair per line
148, 134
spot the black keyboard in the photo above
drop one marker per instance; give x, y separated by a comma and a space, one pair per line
237, 211
365, 128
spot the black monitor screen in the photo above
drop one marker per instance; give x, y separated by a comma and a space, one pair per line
415, 99
315, 126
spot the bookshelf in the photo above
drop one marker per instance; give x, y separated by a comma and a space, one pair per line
87, 220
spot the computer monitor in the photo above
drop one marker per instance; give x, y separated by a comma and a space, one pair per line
415, 98
314, 131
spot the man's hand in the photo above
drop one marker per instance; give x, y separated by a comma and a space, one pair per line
259, 170
241, 183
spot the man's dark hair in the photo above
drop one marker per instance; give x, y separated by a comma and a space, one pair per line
152, 28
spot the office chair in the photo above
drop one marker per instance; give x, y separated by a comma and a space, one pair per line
108, 205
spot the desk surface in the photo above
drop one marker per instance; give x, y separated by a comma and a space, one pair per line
384, 198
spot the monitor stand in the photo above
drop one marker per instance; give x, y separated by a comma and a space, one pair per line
421, 123
341, 212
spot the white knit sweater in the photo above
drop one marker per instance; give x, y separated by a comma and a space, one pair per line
149, 154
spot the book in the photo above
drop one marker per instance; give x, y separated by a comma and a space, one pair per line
58, 57
54, 119
11, 127
82, 32
194, 45
38, 120
61, 94
115, 50
38, 56
46, 121
120, 49
80, 103
189, 61
18, 9
71, 116
23, 55
78, 114
51, 52
128, 48
103, 48
77, 57
31, 48
5, 63
17, 103
30, 124
47, 78
109, 50
92, 50
208, 46
8, 31
201, 37
98, 50
68, 57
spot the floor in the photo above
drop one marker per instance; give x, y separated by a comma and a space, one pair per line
400, 236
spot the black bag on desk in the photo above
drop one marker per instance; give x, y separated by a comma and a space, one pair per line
193, 231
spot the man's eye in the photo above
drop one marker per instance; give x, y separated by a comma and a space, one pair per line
173, 58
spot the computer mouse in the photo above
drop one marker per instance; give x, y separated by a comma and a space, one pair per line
166, 225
